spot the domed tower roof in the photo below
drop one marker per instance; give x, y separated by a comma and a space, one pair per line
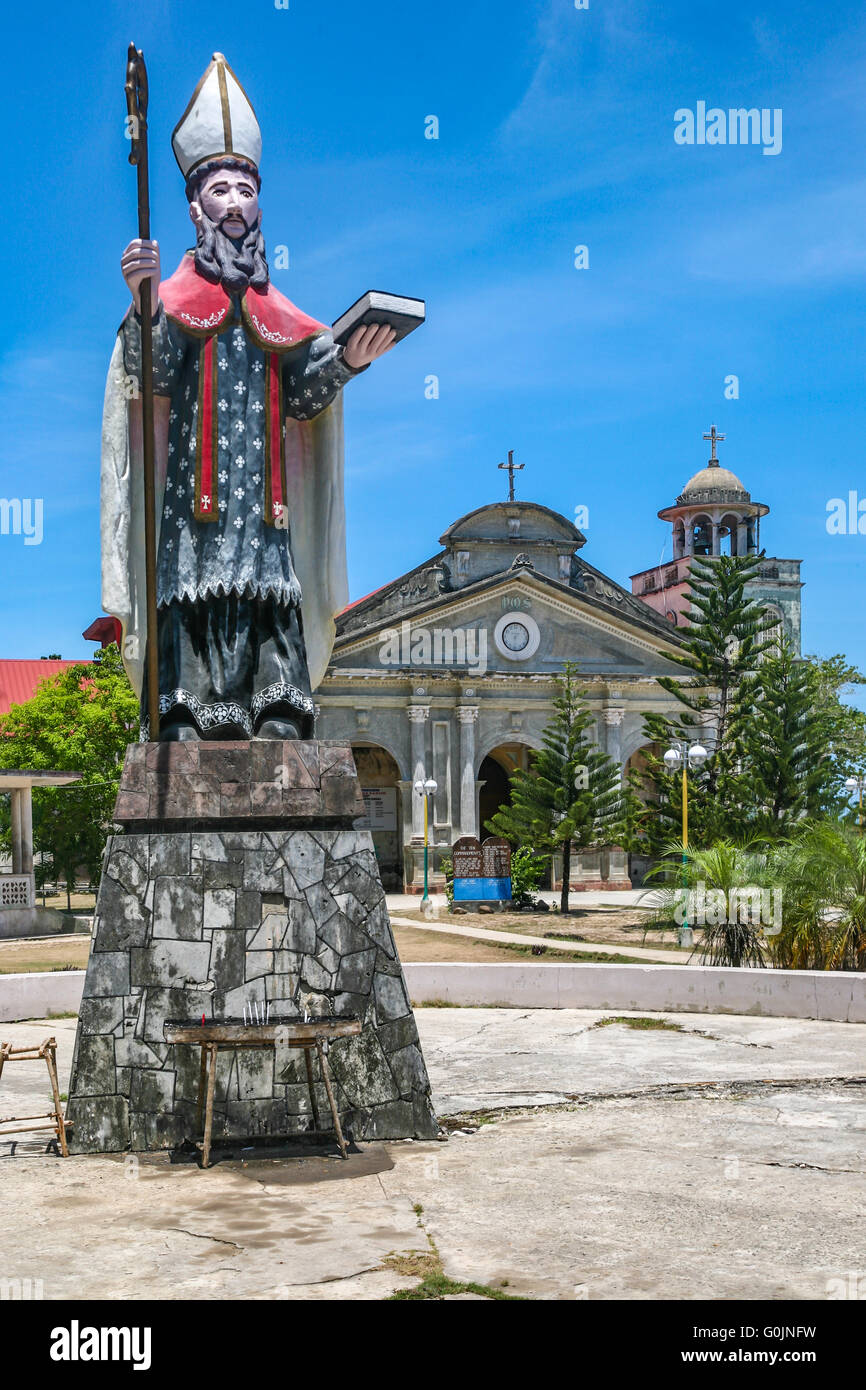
714, 484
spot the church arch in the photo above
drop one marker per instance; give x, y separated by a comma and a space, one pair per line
637, 760
632, 744
728, 535
702, 535
379, 776
506, 749
364, 741
776, 633
494, 771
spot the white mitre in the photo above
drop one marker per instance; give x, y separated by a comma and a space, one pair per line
219, 121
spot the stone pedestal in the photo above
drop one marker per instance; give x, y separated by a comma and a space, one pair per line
239, 877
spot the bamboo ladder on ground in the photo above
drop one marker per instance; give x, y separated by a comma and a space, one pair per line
52, 1119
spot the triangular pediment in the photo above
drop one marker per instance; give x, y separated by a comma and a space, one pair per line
519, 623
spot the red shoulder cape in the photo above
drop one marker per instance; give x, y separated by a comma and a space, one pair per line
201, 308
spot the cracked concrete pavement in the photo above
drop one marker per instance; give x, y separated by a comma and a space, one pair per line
720, 1158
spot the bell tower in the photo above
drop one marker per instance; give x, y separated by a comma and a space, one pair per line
715, 515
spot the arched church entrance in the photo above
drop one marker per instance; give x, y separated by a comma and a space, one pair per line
638, 760
379, 776
494, 772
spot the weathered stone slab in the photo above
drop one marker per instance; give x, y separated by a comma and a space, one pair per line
208, 784
176, 909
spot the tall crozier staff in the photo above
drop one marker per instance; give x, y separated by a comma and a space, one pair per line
136, 105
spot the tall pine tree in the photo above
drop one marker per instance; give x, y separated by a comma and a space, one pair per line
728, 634
571, 798
785, 737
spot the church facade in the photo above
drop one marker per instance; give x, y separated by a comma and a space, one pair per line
447, 674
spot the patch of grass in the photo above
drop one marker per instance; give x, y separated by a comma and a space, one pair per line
641, 1023
436, 1004
70, 1013
435, 1283
413, 1264
574, 957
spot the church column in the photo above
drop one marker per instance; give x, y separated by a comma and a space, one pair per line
15, 798
467, 715
716, 525
613, 718
26, 796
690, 536
742, 536
418, 715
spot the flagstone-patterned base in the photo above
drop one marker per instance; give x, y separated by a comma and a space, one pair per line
203, 921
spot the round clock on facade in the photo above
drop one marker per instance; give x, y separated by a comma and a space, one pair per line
517, 636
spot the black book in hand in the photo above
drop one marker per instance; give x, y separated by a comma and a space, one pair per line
377, 307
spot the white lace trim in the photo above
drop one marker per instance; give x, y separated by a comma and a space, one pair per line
210, 322
270, 335
226, 712
284, 591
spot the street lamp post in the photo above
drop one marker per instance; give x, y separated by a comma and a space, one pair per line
425, 787
856, 784
679, 755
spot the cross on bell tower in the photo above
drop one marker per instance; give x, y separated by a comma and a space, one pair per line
715, 439
512, 468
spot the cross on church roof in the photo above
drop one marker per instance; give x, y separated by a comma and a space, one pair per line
512, 469
715, 438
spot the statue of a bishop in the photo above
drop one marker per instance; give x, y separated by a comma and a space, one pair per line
251, 551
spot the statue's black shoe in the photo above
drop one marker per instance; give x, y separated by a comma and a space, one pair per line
278, 728
177, 731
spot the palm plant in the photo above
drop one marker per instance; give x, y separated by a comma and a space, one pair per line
823, 875
724, 872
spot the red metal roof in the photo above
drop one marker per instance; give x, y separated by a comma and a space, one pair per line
19, 679
356, 601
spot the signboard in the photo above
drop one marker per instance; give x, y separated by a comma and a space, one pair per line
496, 857
380, 809
482, 873
466, 858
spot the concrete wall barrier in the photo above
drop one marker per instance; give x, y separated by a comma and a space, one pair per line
701, 989
835, 996
40, 994
40, 921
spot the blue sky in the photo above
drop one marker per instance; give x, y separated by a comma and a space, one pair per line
556, 129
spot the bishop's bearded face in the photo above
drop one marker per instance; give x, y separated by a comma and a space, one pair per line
224, 206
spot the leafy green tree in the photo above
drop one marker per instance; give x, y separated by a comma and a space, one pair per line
571, 797
527, 871
80, 720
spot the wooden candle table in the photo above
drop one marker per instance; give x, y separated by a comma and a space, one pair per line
232, 1035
